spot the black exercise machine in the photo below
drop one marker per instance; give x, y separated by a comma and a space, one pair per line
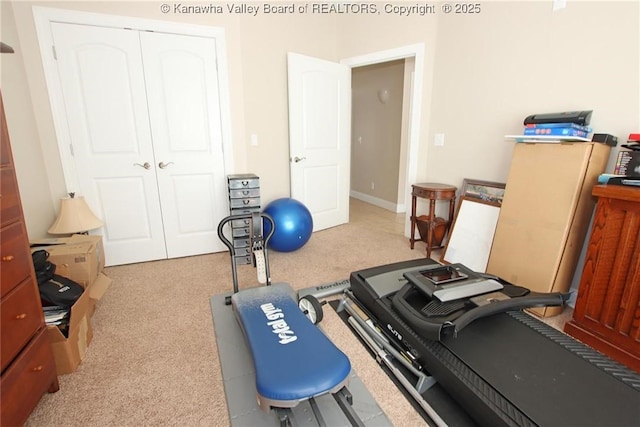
486, 356
293, 361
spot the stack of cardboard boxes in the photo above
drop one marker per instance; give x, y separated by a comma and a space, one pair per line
81, 259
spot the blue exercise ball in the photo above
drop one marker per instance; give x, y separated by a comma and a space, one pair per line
293, 224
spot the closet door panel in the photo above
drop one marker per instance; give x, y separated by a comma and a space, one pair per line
119, 196
103, 85
184, 110
190, 190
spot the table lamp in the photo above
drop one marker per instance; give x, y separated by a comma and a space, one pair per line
74, 217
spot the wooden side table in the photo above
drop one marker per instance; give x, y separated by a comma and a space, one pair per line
433, 192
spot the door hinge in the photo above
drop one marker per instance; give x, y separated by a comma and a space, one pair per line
71, 150
55, 54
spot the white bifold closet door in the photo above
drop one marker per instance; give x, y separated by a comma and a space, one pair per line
143, 115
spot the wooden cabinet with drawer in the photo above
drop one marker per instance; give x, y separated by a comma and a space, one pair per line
607, 312
26, 358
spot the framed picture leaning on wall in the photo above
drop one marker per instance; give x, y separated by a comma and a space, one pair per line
487, 191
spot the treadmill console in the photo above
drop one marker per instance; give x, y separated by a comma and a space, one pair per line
451, 282
440, 275
438, 300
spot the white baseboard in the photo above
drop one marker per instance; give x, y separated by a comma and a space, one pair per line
384, 204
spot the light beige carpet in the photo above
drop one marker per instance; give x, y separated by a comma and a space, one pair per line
153, 359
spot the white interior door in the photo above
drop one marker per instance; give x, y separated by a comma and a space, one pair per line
319, 137
144, 119
103, 88
184, 110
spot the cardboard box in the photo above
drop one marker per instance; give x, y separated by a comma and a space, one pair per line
69, 351
96, 290
79, 257
545, 215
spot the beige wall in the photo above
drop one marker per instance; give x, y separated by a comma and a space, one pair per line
376, 130
29, 158
521, 58
483, 74
265, 43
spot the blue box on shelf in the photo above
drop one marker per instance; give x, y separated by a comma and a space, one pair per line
555, 131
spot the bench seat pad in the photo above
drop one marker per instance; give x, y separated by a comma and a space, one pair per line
293, 358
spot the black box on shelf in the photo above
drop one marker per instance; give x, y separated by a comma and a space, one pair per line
628, 163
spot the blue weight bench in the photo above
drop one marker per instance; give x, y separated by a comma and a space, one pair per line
294, 360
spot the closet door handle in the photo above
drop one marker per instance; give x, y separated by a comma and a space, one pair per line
163, 165
146, 165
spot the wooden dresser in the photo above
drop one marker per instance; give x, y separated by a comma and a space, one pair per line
28, 367
607, 311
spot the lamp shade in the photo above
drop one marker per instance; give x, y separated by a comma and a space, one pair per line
74, 217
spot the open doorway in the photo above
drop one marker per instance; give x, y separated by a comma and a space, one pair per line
379, 134
402, 161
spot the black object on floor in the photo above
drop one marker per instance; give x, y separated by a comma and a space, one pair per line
508, 368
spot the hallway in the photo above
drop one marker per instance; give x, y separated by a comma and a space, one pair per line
383, 219
375, 216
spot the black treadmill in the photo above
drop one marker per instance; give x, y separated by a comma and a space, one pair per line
507, 368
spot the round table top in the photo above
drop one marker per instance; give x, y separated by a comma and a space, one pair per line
434, 186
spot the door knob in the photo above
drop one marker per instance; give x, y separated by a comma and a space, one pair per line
146, 165
298, 159
163, 165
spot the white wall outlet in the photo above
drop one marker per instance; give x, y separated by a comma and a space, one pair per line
438, 140
254, 140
